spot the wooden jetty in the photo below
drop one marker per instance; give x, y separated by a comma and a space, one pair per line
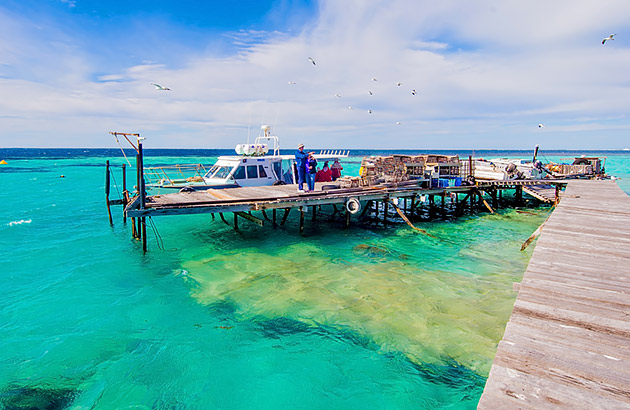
242, 201
252, 203
567, 343
544, 193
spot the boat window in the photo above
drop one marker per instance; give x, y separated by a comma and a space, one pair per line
221, 172
239, 173
251, 171
212, 171
277, 168
261, 171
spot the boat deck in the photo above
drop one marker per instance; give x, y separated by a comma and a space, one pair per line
567, 343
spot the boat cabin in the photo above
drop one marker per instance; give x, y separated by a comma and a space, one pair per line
244, 171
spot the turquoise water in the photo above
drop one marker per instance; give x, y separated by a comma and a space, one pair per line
365, 317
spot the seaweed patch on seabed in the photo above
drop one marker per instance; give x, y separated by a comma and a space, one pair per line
36, 398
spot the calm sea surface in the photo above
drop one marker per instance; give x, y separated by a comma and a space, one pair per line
263, 318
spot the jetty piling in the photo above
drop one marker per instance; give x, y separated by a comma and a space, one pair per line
107, 187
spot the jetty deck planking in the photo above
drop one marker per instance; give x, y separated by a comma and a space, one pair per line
567, 343
286, 196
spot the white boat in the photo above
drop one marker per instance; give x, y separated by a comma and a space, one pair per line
253, 165
502, 169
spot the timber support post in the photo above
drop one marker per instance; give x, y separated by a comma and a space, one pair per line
107, 185
519, 194
285, 216
125, 193
144, 234
461, 204
142, 193
223, 219
367, 207
557, 195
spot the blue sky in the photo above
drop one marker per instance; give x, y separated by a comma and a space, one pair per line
485, 73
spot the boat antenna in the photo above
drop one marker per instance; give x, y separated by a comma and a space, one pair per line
535, 154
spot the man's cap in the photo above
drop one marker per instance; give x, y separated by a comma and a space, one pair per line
300, 145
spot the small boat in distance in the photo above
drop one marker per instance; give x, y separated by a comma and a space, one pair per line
253, 165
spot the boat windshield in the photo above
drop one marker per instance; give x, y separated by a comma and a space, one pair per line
219, 172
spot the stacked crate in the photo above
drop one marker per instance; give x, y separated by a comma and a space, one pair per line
396, 168
566, 169
349, 182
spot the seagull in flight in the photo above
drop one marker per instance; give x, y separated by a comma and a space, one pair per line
369, 111
311, 60
610, 37
291, 82
370, 92
541, 125
374, 79
160, 87
338, 95
398, 123
413, 92
399, 83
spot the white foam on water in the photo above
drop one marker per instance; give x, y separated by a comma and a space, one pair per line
20, 222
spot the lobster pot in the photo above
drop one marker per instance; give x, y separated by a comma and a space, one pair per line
349, 182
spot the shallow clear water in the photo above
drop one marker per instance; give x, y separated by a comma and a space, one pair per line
260, 318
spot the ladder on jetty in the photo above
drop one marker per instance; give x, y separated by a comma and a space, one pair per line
544, 193
567, 343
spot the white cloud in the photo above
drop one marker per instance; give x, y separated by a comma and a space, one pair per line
486, 72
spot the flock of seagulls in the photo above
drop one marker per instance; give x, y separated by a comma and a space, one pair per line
370, 92
160, 87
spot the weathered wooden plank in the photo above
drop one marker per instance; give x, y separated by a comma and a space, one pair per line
614, 346
518, 390
565, 366
541, 289
567, 343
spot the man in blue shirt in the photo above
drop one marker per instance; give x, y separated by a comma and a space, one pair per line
300, 159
